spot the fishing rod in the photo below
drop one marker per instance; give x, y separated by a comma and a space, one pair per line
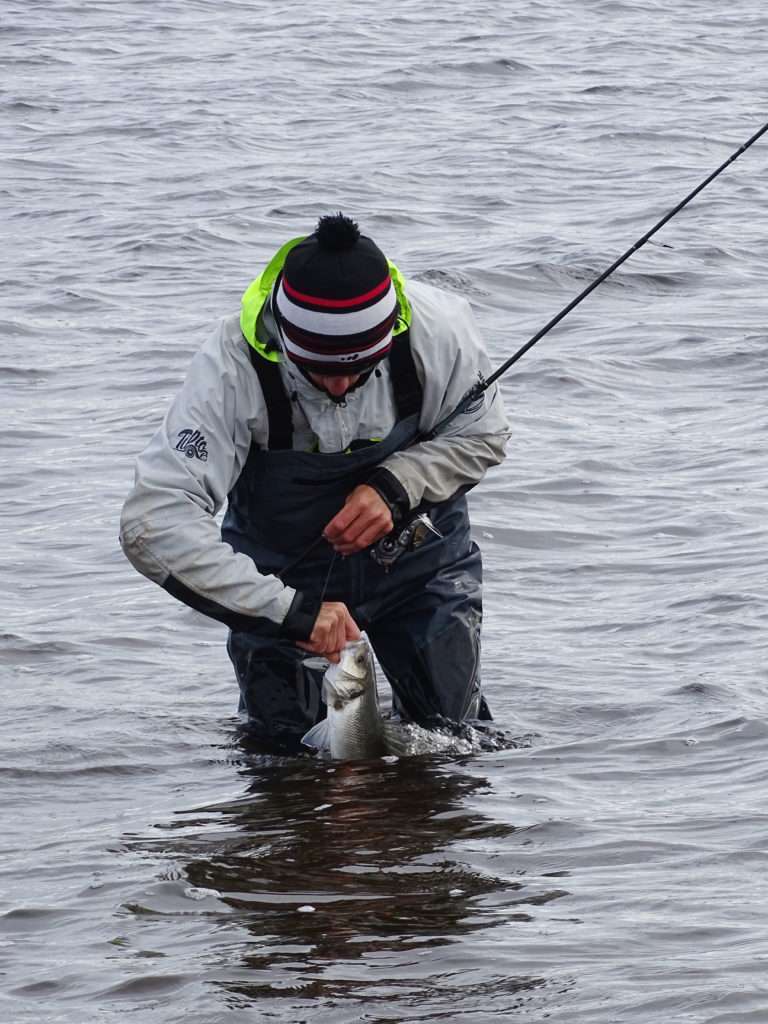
482, 385
387, 549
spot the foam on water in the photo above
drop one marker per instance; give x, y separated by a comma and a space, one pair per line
406, 739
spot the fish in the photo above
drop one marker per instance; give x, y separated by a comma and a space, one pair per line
353, 728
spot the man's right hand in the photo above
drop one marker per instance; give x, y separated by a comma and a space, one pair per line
334, 628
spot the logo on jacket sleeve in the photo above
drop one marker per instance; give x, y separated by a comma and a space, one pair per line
193, 444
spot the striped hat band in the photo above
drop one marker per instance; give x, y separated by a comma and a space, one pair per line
336, 335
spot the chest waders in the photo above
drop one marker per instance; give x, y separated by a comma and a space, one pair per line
422, 618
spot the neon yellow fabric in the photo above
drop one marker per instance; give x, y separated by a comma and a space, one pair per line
257, 293
403, 322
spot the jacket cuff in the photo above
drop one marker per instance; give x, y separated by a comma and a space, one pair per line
391, 491
300, 618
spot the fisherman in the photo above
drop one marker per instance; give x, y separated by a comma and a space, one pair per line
306, 414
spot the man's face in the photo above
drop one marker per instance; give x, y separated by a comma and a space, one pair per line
333, 384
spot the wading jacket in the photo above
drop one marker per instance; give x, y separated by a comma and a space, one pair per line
169, 529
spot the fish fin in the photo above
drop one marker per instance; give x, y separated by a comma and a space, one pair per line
397, 739
319, 736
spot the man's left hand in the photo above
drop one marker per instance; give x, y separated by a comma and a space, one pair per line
364, 519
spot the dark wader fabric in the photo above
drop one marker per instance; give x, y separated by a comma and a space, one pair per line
423, 617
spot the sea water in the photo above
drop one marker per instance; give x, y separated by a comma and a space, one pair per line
613, 868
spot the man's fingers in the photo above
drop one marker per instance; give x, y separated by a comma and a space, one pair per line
367, 518
348, 536
305, 645
365, 530
340, 522
365, 526
333, 628
363, 510
374, 533
325, 635
339, 634
369, 535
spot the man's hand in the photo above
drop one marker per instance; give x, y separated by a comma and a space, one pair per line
334, 627
364, 519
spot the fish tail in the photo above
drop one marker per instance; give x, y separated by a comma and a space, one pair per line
319, 736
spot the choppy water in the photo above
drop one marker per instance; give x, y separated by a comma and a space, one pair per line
614, 870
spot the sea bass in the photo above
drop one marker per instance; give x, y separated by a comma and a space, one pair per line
353, 728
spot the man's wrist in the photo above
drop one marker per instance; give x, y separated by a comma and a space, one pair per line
392, 493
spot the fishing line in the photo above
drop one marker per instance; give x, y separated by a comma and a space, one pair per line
328, 577
482, 385
476, 392
300, 558
296, 561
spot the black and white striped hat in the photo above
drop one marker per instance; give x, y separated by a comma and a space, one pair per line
335, 301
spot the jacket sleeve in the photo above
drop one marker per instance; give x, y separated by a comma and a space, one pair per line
169, 530
450, 359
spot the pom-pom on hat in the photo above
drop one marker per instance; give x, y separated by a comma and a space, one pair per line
335, 301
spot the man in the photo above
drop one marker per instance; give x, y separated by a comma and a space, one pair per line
302, 413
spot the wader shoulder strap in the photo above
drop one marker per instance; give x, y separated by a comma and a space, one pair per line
279, 414
405, 382
405, 385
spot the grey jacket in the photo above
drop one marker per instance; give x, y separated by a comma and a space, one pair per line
168, 526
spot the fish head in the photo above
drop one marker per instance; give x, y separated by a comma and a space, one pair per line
349, 679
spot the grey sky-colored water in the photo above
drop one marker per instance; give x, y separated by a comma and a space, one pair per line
153, 158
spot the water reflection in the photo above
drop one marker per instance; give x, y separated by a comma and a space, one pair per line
326, 863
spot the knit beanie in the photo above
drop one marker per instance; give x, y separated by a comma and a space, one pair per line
335, 302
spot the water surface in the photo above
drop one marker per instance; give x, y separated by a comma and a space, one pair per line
613, 869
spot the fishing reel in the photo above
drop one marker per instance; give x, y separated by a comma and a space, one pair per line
386, 551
